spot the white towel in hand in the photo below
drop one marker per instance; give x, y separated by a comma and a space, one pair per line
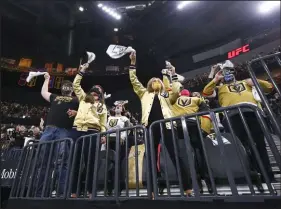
106, 96
117, 51
91, 57
256, 94
121, 102
34, 74
168, 66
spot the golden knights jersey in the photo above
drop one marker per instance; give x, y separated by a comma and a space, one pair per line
114, 123
232, 94
186, 105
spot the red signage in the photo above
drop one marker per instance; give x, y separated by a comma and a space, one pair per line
238, 51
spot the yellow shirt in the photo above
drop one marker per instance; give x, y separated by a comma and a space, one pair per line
186, 105
88, 115
230, 94
147, 98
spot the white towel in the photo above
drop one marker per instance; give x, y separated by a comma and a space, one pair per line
33, 74
106, 96
169, 65
120, 102
91, 57
117, 51
228, 64
256, 94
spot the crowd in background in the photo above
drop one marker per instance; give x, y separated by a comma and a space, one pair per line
16, 134
24, 111
16, 110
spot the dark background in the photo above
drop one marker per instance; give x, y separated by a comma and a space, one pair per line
41, 30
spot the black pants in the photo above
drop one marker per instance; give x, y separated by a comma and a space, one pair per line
83, 163
194, 135
258, 137
168, 141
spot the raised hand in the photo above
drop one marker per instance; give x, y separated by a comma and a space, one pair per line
218, 76
47, 76
133, 58
84, 67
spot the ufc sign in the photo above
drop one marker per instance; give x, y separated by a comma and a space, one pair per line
238, 51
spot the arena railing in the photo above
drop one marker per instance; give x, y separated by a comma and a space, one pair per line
214, 166
43, 170
121, 168
264, 100
10, 154
116, 169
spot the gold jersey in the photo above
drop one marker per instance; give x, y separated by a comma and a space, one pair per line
186, 105
235, 93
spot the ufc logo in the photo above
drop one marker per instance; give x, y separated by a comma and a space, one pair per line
238, 51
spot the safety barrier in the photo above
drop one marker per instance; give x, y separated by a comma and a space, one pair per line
231, 163
264, 100
120, 165
115, 169
43, 169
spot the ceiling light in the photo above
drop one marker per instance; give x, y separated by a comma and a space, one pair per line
81, 9
149, 4
116, 29
130, 7
110, 11
99, 5
267, 6
182, 4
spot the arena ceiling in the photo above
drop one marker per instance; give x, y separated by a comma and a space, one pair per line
158, 29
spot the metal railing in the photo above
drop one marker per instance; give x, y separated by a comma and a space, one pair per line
233, 156
229, 164
264, 100
43, 169
113, 165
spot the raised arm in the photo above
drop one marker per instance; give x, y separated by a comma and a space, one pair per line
137, 86
166, 80
77, 83
45, 88
210, 87
267, 86
176, 86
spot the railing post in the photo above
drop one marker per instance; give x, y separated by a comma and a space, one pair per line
260, 92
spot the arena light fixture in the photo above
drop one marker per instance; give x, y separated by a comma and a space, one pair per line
182, 4
267, 6
81, 9
112, 12
116, 29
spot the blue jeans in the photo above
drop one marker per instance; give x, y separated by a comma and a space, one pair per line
58, 163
